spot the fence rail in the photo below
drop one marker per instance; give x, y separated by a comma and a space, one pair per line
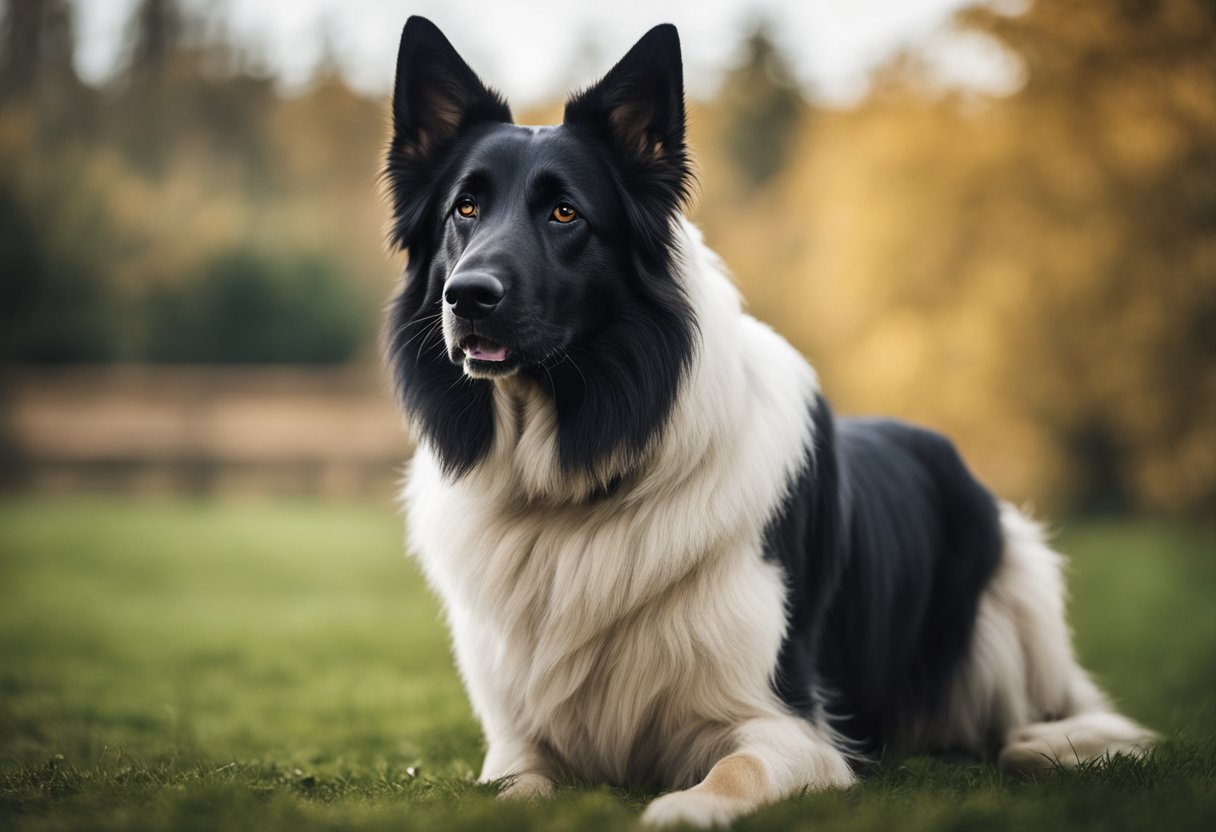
328, 431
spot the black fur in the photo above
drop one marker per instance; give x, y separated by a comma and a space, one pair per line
807, 537
615, 366
888, 542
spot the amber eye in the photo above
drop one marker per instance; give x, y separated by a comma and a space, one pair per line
563, 213
466, 207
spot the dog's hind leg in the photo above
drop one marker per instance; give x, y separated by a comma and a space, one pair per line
775, 757
1022, 687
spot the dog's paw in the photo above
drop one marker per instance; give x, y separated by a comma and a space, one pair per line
695, 807
529, 786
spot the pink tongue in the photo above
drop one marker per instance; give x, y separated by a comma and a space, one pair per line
484, 353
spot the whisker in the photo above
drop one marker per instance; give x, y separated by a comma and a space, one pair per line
429, 332
566, 356
420, 334
399, 331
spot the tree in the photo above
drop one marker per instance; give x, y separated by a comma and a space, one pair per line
37, 42
1121, 97
156, 35
762, 107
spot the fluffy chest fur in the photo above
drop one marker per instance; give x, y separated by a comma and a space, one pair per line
619, 630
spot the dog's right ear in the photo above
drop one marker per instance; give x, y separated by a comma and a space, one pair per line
637, 110
436, 98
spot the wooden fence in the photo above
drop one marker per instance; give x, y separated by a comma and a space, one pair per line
200, 430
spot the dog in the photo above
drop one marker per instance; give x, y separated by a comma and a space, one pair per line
664, 562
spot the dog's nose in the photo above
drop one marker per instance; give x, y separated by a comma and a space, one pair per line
473, 296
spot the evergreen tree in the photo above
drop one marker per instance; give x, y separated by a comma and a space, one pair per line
36, 45
763, 108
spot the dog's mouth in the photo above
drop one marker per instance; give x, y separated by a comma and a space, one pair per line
484, 358
476, 348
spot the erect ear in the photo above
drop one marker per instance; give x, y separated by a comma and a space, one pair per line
436, 98
639, 106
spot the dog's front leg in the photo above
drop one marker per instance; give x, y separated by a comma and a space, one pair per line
522, 767
775, 758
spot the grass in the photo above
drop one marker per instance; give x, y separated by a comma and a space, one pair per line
183, 666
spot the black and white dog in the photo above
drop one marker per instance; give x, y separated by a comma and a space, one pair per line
663, 561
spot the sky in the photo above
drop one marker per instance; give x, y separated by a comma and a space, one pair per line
535, 49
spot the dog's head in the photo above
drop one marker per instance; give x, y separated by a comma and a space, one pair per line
542, 252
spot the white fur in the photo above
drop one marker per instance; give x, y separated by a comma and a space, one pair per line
634, 637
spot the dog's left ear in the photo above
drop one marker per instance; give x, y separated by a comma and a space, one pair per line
436, 98
638, 108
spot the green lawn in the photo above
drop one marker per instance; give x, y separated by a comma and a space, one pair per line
181, 665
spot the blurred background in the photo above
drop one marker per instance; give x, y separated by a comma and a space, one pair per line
997, 219
994, 218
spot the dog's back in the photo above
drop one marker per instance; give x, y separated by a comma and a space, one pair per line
923, 540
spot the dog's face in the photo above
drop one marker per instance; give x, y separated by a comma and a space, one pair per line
529, 259
545, 252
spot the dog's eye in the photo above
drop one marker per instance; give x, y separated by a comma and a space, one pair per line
564, 213
466, 207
